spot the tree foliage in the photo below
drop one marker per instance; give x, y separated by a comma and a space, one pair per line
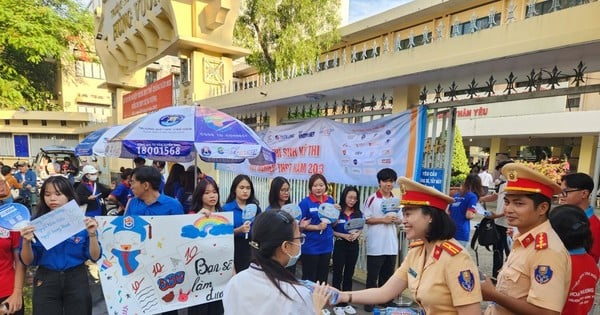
283, 33
34, 36
460, 162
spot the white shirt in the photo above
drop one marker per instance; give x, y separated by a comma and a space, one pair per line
500, 206
486, 179
251, 292
382, 239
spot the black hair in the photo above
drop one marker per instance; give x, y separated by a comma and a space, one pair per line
125, 172
578, 181
60, 184
276, 185
5, 170
313, 178
236, 181
442, 227
386, 174
176, 174
159, 164
139, 161
343, 204
197, 203
269, 230
473, 184
148, 174
572, 226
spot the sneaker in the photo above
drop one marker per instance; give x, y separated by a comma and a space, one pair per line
368, 308
339, 310
325, 312
349, 309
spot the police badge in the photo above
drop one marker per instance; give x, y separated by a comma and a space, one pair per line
466, 280
543, 274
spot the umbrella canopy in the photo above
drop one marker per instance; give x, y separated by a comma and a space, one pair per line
95, 142
179, 133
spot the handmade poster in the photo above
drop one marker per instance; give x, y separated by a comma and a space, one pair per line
154, 264
59, 224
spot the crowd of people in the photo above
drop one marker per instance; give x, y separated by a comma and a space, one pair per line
550, 268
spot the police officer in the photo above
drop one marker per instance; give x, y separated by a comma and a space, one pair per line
535, 278
440, 274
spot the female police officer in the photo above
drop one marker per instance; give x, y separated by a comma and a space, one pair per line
535, 278
438, 271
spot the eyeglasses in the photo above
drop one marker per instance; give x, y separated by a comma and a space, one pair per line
566, 192
301, 238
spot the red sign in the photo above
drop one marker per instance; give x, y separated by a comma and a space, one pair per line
152, 97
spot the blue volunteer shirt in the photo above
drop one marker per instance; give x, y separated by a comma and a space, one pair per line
316, 243
164, 205
69, 254
342, 219
237, 216
458, 211
122, 192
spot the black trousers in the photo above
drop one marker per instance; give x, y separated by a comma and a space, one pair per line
315, 267
210, 308
500, 248
62, 292
345, 255
241, 253
379, 270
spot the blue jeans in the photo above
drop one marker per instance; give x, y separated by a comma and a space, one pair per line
62, 292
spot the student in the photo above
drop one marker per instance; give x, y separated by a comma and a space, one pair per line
267, 287
439, 272
60, 284
345, 248
241, 194
205, 200
576, 190
279, 193
12, 272
148, 200
535, 278
91, 193
121, 194
573, 228
382, 234
175, 180
316, 251
462, 210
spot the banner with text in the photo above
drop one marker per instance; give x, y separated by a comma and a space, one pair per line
154, 96
154, 264
343, 153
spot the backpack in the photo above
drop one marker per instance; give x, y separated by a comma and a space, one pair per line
4, 188
486, 234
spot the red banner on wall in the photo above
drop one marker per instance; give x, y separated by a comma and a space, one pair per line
152, 97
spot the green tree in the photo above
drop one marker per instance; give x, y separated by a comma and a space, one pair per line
460, 163
35, 35
281, 33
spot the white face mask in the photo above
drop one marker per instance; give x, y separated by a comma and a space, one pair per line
293, 259
92, 178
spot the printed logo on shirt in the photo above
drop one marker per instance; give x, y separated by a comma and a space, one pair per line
412, 272
543, 274
4, 233
466, 280
76, 239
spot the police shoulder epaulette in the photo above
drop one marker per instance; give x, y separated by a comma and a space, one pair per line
416, 243
451, 248
541, 241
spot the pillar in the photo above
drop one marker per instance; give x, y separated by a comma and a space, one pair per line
587, 154
497, 145
405, 97
276, 115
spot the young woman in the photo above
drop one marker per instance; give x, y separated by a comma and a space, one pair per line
267, 287
175, 180
241, 194
439, 272
60, 284
90, 192
535, 278
317, 249
120, 196
462, 210
345, 248
184, 193
279, 194
572, 226
12, 273
205, 200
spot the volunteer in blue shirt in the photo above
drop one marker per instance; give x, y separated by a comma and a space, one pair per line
27, 178
316, 251
241, 194
60, 284
148, 200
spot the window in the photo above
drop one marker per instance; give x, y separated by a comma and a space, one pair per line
44, 123
25, 122
151, 76
7, 122
481, 23
88, 69
573, 102
549, 6
7, 146
63, 123
360, 55
417, 41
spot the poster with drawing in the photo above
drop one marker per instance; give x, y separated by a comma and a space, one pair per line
154, 264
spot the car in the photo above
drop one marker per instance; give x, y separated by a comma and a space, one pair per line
55, 154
